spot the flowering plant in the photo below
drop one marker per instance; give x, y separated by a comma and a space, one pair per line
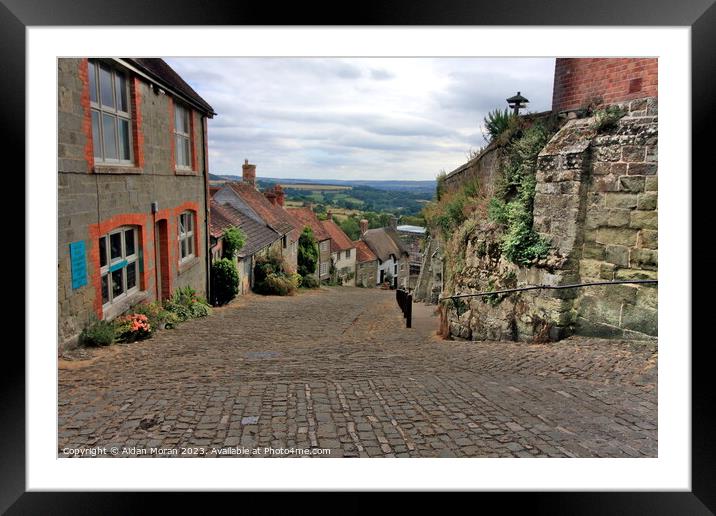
133, 327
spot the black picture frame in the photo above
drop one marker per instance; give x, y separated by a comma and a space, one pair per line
700, 15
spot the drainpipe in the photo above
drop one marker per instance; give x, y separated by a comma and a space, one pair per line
206, 208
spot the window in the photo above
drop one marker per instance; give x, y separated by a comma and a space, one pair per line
324, 245
324, 268
182, 137
111, 117
186, 236
348, 253
284, 241
119, 268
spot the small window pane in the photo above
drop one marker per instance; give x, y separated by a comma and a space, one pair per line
129, 242
181, 224
96, 139
102, 252
117, 282
92, 72
124, 139
190, 246
187, 152
109, 129
183, 248
115, 245
131, 275
120, 88
105, 86
105, 289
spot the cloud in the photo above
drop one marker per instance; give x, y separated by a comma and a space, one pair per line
361, 118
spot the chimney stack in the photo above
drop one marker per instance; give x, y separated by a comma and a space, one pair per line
363, 227
271, 196
393, 222
278, 189
329, 215
249, 173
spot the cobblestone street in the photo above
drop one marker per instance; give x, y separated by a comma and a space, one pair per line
336, 369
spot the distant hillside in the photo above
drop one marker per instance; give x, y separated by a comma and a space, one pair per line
396, 185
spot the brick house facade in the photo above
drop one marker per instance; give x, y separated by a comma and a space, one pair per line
579, 82
132, 188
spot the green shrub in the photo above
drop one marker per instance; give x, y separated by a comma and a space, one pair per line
498, 123
185, 304
607, 118
234, 240
97, 333
158, 317
225, 281
309, 282
272, 276
307, 252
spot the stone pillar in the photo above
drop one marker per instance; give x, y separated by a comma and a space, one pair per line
363, 227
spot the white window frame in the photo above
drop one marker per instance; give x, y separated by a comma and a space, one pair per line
111, 265
348, 253
180, 136
187, 235
324, 268
114, 112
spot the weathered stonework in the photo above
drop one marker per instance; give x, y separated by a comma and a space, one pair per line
596, 203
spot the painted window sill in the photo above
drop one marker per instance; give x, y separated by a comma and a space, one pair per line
118, 308
185, 172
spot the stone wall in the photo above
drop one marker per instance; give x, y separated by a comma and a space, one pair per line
596, 203
91, 197
482, 168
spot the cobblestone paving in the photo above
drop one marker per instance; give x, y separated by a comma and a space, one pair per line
336, 370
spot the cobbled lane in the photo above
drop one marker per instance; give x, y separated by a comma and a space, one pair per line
336, 371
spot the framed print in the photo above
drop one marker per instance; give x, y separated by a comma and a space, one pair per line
419, 233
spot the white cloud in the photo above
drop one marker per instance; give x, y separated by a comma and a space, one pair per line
358, 118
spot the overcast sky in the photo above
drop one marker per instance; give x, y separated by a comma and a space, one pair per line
367, 118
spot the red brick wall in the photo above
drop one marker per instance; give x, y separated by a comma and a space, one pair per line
579, 80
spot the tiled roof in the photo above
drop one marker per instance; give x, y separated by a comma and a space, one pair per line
275, 216
384, 242
306, 217
363, 252
159, 70
339, 240
213, 190
258, 235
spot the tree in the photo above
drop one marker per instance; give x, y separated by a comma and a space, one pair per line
350, 227
234, 240
307, 252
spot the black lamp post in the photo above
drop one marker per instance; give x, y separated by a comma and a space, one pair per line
517, 102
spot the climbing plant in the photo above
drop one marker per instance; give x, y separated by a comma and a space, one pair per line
513, 202
234, 240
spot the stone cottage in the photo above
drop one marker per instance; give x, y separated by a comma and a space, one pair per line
305, 216
132, 188
260, 239
366, 265
393, 256
343, 252
265, 208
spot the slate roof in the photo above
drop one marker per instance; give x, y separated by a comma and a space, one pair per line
306, 217
160, 71
363, 252
258, 235
339, 240
384, 242
275, 216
